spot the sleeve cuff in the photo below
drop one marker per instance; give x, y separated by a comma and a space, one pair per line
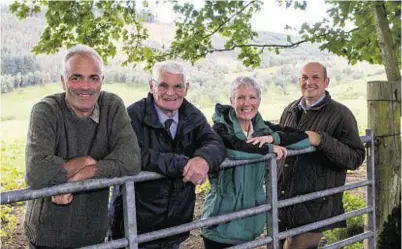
270, 148
323, 139
277, 138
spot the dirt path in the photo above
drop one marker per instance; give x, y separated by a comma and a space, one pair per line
195, 240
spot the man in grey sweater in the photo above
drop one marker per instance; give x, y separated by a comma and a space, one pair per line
76, 135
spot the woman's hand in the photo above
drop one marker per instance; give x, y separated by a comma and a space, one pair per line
261, 140
281, 152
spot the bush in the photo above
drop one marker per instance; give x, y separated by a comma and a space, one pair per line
390, 237
355, 225
203, 189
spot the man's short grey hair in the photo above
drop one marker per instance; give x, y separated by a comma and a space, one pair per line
81, 49
168, 66
245, 81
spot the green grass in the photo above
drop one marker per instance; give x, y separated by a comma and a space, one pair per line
12, 172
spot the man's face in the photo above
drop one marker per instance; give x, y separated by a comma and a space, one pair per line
312, 82
83, 83
245, 103
169, 92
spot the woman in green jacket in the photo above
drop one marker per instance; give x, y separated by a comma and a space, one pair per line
246, 136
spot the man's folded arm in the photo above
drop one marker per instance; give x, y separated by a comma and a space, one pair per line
43, 168
167, 164
125, 155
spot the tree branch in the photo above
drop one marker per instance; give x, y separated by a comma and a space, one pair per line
169, 53
227, 20
291, 45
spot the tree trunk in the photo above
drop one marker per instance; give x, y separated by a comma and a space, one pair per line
384, 110
385, 42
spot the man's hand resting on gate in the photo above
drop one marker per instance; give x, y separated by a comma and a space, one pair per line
196, 171
78, 169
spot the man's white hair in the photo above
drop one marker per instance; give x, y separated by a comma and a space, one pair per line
168, 66
81, 49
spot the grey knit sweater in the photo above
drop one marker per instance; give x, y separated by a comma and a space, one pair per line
55, 136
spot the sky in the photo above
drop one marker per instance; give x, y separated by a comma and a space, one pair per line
272, 17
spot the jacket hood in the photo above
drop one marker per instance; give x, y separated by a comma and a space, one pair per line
225, 114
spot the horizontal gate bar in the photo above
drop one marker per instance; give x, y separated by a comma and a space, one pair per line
350, 240
323, 223
322, 193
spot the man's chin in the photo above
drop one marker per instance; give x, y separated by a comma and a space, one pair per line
171, 107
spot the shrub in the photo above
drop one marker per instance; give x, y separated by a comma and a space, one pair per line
203, 189
390, 237
355, 225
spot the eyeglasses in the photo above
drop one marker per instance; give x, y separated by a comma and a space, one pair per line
164, 87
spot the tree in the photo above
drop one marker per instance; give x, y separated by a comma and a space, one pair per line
103, 24
375, 38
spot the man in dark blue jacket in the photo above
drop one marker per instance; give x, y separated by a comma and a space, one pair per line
177, 142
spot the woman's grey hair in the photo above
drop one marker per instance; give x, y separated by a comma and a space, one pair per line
245, 81
81, 49
168, 66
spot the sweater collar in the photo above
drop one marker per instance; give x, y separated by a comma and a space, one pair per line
316, 106
303, 106
94, 115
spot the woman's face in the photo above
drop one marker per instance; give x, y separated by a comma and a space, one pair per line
245, 103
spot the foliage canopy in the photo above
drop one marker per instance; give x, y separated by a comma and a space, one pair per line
107, 25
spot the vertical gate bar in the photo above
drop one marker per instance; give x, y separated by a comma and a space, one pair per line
268, 197
274, 201
130, 219
272, 198
370, 191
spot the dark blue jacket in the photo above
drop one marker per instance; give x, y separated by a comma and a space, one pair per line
169, 201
